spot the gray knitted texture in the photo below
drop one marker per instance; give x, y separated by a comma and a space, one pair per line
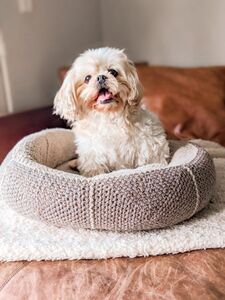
128, 200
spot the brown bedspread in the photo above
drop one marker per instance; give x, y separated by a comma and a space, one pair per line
196, 275
15, 126
189, 101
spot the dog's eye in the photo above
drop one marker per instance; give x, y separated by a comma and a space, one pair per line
87, 78
113, 72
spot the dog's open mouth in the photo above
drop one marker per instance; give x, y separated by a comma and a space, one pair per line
104, 96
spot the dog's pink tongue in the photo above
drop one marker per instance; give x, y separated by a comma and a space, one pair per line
104, 96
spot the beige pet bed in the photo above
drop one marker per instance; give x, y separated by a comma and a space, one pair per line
34, 181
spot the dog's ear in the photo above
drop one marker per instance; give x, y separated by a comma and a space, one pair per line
136, 90
65, 102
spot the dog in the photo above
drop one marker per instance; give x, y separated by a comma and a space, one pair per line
100, 98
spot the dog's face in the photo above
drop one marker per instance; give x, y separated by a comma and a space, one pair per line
102, 80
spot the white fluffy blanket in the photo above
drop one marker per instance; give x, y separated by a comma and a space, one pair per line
24, 239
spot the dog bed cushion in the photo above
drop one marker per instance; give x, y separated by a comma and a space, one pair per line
33, 183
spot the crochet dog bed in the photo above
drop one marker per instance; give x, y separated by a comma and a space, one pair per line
148, 197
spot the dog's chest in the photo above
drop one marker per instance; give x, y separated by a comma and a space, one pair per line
102, 139
112, 144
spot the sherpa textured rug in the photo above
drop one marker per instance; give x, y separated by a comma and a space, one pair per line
25, 239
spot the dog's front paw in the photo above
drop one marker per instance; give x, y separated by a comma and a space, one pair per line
92, 173
73, 164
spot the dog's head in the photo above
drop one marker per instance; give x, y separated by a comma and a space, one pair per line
102, 80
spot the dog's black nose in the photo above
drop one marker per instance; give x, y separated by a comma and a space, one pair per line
101, 79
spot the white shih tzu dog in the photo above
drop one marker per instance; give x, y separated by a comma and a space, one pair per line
100, 97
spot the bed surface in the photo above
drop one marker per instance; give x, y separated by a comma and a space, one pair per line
195, 275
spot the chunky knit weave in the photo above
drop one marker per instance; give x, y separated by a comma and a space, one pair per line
127, 200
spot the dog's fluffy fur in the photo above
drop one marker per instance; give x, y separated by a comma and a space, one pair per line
100, 97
